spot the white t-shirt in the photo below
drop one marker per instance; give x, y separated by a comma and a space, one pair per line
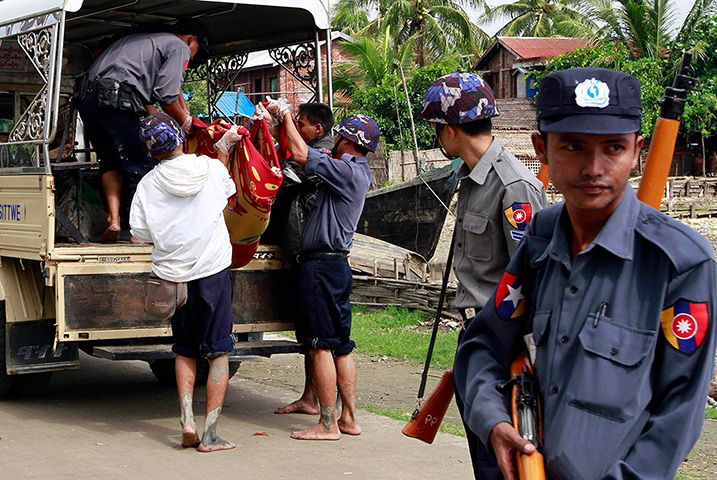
179, 208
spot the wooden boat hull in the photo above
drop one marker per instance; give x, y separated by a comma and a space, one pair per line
410, 214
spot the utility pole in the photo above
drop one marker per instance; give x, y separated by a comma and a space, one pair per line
420, 168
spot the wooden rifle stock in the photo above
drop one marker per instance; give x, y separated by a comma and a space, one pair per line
525, 406
426, 421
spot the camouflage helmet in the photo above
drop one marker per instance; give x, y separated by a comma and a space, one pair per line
160, 134
360, 129
459, 97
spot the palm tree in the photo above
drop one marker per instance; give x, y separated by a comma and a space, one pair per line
647, 26
437, 26
542, 18
372, 59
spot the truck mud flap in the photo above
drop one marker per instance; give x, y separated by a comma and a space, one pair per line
29, 349
263, 348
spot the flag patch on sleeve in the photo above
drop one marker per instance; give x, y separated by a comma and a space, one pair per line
509, 299
518, 215
685, 325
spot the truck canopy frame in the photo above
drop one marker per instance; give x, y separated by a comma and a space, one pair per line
290, 30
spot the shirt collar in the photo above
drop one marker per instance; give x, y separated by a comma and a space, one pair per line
480, 171
617, 235
357, 159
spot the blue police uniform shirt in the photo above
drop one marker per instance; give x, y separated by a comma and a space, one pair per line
625, 343
334, 216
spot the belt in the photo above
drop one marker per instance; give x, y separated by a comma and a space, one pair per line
305, 257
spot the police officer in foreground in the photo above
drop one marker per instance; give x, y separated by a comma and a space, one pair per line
124, 83
498, 196
619, 300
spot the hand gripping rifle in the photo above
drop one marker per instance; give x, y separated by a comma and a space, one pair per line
525, 407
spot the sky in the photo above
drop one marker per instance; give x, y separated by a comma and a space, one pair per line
682, 9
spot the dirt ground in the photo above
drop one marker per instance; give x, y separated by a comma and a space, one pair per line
393, 384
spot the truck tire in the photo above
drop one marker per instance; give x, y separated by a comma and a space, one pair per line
6, 381
163, 370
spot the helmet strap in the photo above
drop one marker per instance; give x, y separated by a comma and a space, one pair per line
445, 154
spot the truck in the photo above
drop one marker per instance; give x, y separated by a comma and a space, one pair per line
61, 291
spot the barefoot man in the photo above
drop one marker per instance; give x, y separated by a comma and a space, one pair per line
315, 121
179, 208
324, 275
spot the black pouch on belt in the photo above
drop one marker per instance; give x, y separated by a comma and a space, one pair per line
129, 100
108, 93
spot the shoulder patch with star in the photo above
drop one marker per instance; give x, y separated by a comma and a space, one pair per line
684, 325
509, 299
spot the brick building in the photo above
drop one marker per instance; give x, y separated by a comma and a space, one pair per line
261, 75
506, 65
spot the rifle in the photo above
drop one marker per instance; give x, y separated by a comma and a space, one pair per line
427, 417
662, 144
525, 406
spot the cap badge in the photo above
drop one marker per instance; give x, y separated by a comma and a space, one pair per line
592, 93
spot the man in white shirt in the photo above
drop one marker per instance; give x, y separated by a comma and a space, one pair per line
179, 208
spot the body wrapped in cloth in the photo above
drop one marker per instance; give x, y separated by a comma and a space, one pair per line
254, 167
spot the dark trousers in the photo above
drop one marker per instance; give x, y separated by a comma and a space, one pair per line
485, 465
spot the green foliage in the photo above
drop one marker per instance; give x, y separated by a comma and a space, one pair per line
396, 333
197, 102
541, 18
380, 103
711, 413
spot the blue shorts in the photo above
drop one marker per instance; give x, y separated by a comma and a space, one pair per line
203, 326
115, 137
324, 307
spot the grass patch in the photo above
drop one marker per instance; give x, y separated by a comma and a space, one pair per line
445, 427
397, 334
682, 475
711, 413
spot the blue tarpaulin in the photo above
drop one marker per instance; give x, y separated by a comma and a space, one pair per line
233, 103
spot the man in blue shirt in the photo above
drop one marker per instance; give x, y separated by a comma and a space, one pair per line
618, 297
324, 275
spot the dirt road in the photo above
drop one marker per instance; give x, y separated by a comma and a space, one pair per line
393, 385
113, 420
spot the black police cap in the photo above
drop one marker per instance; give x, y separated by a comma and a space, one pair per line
589, 100
189, 26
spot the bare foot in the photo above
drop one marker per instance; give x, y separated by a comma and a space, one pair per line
349, 428
220, 444
190, 437
299, 406
317, 432
112, 233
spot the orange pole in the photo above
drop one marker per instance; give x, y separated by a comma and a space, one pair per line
659, 160
544, 176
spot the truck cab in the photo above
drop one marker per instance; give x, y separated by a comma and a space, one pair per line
61, 290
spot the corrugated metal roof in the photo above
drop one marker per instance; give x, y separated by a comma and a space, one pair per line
542, 47
527, 48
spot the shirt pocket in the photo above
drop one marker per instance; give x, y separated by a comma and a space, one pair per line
478, 245
610, 372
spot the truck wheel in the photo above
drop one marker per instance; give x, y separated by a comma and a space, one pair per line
163, 370
6, 381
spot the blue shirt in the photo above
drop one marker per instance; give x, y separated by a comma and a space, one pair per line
622, 396
333, 218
